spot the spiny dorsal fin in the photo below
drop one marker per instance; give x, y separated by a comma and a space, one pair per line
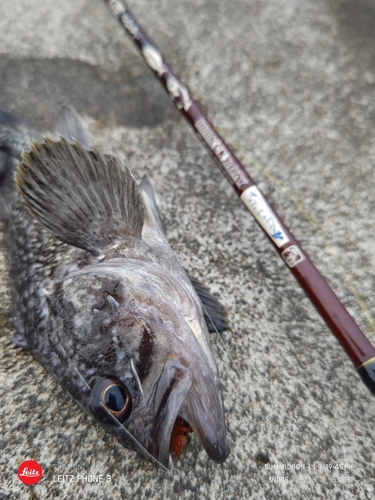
84, 198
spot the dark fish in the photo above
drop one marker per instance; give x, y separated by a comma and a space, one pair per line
99, 297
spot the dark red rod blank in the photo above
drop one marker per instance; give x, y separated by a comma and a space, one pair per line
342, 325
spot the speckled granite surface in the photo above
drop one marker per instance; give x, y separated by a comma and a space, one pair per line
293, 84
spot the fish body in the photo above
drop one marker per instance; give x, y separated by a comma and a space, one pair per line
99, 297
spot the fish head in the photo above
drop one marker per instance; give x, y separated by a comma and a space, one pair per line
146, 372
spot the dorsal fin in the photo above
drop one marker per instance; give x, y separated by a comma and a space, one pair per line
153, 225
68, 124
84, 198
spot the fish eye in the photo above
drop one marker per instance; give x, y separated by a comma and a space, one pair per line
111, 393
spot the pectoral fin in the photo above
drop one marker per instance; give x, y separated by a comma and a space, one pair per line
214, 313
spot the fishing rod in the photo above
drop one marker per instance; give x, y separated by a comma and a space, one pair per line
342, 325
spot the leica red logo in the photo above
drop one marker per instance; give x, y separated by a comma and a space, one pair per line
30, 472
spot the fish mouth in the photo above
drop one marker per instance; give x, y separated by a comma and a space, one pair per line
184, 405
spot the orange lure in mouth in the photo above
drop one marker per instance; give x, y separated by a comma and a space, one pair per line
179, 437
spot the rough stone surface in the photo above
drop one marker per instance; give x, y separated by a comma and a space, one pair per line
292, 85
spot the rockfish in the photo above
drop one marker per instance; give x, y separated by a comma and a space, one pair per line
99, 297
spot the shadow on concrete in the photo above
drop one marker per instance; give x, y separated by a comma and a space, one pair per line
36, 88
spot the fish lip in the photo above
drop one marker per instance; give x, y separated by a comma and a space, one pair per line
172, 390
217, 450
177, 395
209, 427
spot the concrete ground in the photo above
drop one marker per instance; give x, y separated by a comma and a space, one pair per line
292, 85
